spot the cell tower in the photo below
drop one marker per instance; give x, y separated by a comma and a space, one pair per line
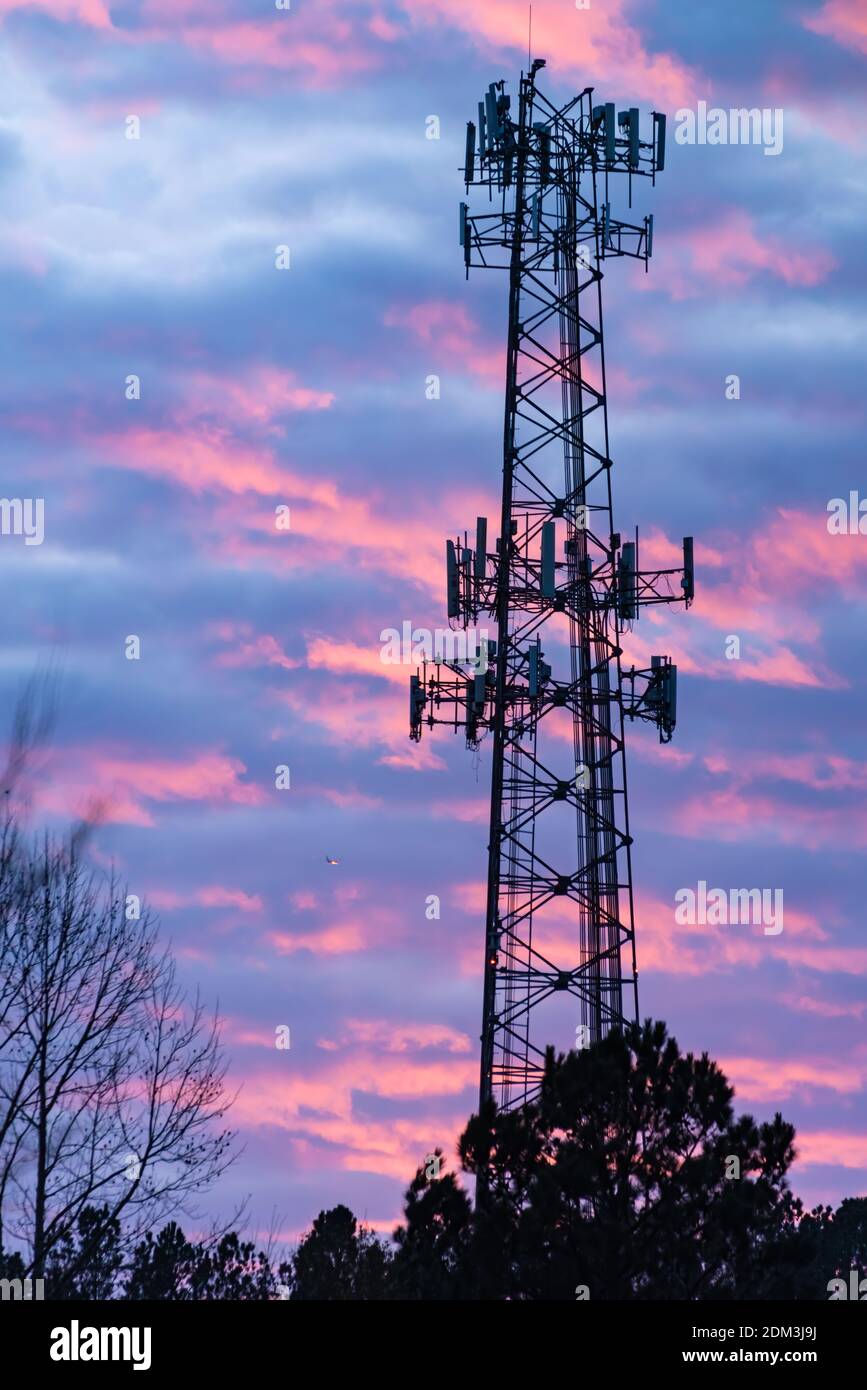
559, 587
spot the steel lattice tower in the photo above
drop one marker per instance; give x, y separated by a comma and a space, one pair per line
559, 918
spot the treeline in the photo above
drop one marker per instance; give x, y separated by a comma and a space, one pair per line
631, 1178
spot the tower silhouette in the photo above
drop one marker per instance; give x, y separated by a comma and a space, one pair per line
560, 587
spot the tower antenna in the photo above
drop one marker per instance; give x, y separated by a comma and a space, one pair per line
553, 692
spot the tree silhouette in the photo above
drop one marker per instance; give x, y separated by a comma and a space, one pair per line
630, 1178
828, 1245
111, 1079
169, 1267
844, 1238
86, 1259
160, 1266
338, 1261
432, 1249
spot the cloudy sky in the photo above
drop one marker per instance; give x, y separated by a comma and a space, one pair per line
262, 388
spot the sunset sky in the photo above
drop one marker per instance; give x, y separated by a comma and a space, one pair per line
305, 388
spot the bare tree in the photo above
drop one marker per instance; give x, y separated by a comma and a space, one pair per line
111, 1079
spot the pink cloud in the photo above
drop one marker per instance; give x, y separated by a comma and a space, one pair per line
731, 252
92, 12
327, 655
466, 811
349, 714
329, 526
767, 607
402, 1078
778, 1078
262, 394
323, 46
448, 329
669, 947
588, 45
242, 1035
734, 814
117, 786
355, 717
342, 939
823, 1008
350, 798
845, 21
649, 749
417, 1060
820, 771
401, 1037
208, 776
366, 1146
384, 29
324, 61
727, 253
845, 960
330, 45
230, 897
214, 896
837, 1147
782, 667
260, 649
200, 451
201, 459
470, 897
315, 1107
694, 949
804, 551
357, 924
